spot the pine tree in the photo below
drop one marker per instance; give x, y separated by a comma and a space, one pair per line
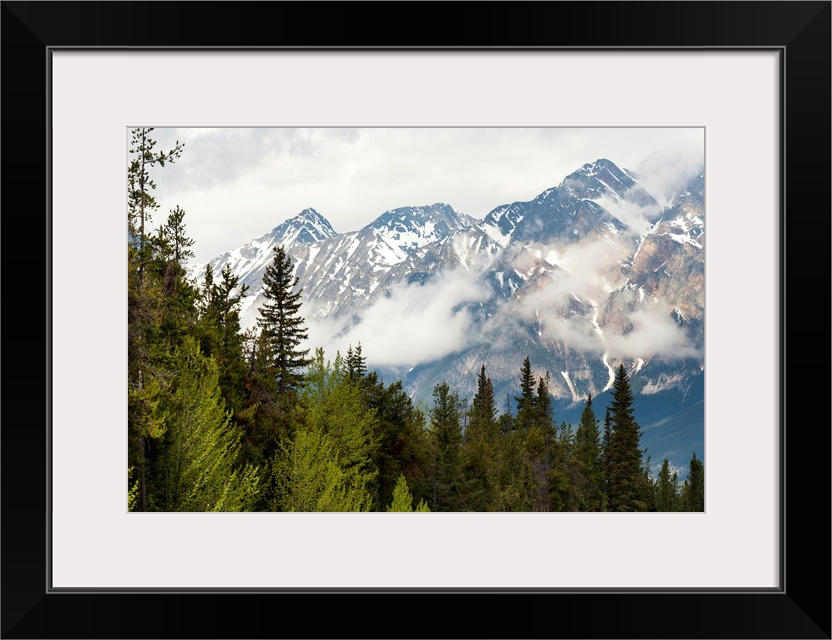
562, 472
588, 485
540, 443
483, 407
605, 450
356, 363
282, 325
404, 447
626, 475
140, 200
526, 400
667, 489
446, 437
693, 491
224, 312
179, 297
480, 483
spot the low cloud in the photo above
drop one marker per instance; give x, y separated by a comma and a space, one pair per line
667, 173
413, 324
564, 306
635, 216
655, 335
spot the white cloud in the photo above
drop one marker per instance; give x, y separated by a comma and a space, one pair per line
655, 335
667, 171
635, 216
414, 324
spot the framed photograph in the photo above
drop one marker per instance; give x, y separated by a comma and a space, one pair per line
750, 80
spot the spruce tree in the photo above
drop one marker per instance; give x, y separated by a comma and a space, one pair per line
693, 491
356, 363
626, 474
589, 481
480, 488
171, 249
446, 439
526, 416
403, 440
666, 489
540, 443
282, 326
605, 450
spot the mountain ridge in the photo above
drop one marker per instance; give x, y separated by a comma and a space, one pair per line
588, 274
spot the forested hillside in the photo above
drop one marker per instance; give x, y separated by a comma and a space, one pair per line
222, 419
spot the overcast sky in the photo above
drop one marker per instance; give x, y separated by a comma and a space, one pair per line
237, 184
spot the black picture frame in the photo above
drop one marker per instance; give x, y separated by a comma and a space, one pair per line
799, 31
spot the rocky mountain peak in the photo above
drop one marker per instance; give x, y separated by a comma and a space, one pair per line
596, 179
412, 227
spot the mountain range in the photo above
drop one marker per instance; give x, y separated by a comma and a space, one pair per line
589, 274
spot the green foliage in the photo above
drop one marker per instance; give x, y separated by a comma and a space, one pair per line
148, 343
626, 475
337, 407
446, 440
132, 490
667, 489
588, 483
219, 332
693, 491
282, 326
327, 466
403, 439
309, 477
403, 499
517, 488
196, 468
562, 472
356, 363
140, 201
480, 482
540, 441
526, 411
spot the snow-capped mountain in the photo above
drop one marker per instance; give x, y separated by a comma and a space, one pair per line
588, 274
249, 261
411, 228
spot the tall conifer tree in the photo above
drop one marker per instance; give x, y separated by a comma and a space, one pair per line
282, 326
693, 491
589, 481
667, 489
526, 416
446, 437
626, 473
480, 483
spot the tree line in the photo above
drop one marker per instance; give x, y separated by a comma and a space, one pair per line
225, 420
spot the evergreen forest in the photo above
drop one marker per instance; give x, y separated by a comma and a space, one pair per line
222, 419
